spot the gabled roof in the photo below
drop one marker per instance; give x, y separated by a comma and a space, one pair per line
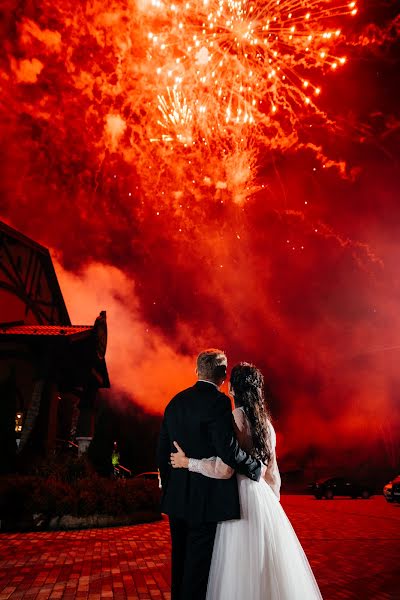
25, 240
8, 236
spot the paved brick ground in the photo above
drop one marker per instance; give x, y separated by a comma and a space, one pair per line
353, 547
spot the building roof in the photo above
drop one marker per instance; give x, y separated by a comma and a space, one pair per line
69, 331
9, 235
25, 240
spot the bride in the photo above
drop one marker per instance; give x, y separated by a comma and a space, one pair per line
258, 557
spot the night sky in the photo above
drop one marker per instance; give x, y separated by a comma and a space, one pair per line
301, 277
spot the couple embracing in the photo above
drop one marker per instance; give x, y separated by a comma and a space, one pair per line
231, 539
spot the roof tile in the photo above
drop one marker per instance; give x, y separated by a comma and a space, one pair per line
45, 330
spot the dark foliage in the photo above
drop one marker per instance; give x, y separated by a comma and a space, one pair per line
24, 496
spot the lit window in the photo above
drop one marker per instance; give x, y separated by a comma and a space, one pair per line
18, 422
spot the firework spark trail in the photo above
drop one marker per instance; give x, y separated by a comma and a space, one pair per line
236, 56
189, 93
240, 71
376, 37
245, 65
186, 86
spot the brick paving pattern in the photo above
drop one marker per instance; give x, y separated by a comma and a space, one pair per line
353, 547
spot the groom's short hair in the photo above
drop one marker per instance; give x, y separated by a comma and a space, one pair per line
211, 364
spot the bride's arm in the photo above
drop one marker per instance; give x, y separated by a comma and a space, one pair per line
212, 467
272, 475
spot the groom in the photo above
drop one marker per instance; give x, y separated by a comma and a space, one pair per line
200, 417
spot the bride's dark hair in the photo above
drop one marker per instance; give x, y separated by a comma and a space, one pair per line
247, 383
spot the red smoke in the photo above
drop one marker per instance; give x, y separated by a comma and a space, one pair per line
301, 279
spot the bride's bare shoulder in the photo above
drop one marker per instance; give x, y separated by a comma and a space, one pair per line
240, 418
272, 432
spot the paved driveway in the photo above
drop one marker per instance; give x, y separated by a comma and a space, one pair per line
353, 547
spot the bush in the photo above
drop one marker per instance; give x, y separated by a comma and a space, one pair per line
52, 497
65, 468
24, 496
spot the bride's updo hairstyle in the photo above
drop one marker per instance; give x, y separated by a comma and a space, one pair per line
247, 383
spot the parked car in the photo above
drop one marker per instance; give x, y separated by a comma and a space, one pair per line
391, 490
340, 486
152, 475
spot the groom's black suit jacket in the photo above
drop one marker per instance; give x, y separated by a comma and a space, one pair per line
200, 420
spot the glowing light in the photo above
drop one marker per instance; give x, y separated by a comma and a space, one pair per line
238, 42
176, 116
192, 91
218, 62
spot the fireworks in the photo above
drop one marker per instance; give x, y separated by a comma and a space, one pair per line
236, 77
176, 116
187, 92
243, 63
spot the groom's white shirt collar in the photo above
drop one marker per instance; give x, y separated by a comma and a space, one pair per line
206, 381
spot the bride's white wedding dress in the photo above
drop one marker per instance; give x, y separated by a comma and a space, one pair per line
258, 557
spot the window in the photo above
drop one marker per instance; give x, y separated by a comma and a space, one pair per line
18, 422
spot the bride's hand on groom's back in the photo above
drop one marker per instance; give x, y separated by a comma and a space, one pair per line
178, 459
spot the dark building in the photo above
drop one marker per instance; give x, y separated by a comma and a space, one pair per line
50, 370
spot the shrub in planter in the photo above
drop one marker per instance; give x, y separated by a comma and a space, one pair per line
91, 496
52, 497
144, 495
24, 496
66, 468
114, 501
